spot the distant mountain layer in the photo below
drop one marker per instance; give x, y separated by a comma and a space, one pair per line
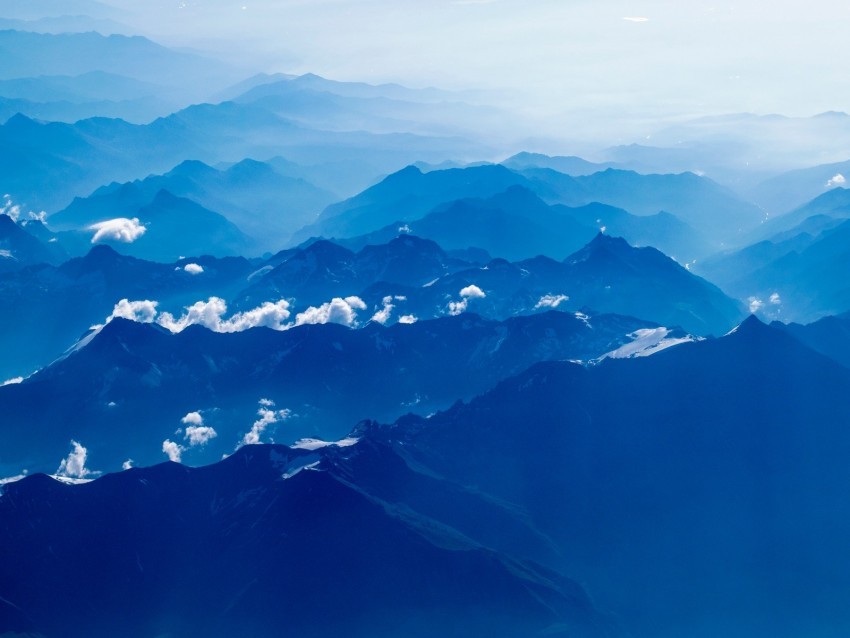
795, 274
266, 205
517, 224
410, 195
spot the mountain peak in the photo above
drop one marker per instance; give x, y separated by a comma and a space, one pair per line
751, 326
600, 246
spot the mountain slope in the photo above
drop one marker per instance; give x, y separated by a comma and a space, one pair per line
148, 379
235, 548
724, 458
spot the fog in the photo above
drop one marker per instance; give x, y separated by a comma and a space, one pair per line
613, 65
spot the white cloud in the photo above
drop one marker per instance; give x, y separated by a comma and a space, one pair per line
836, 180
268, 403
13, 381
383, 315
210, 314
173, 450
10, 208
317, 444
126, 465
404, 229
267, 417
775, 299
141, 311
755, 304
551, 301
472, 292
408, 319
199, 434
635, 19
74, 466
6, 254
193, 269
338, 310
192, 418
196, 432
118, 229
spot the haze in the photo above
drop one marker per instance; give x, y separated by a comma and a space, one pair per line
613, 63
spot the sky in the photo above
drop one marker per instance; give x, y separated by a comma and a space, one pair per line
569, 61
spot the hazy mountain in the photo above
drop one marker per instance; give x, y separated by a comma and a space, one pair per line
259, 200
725, 458
147, 379
66, 24
790, 190
18, 248
409, 195
262, 542
318, 102
740, 150
54, 162
517, 224
569, 165
792, 274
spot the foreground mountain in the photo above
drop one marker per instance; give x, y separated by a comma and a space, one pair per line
725, 458
323, 377
271, 539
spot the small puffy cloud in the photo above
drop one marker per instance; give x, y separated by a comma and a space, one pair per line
12, 381
775, 299
267, 403
467, 293
408, 319
126, 465
472, 292
118, 229
74, 465
404, 230
10, 209
550, 301
383, 315
193, 269
174, 451
755, 304
266, 418
141, 311
192, 418
338, 310
836, 180
6, 254
196, 432
199, 434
